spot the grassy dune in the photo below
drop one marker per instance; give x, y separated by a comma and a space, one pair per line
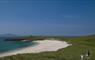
79, 45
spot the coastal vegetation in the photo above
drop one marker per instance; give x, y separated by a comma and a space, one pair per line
79, 46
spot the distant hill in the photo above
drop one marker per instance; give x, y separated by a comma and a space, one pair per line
91, 35
8, 35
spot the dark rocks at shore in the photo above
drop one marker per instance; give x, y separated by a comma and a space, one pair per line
17, 39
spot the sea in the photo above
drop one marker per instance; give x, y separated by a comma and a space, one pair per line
6, 46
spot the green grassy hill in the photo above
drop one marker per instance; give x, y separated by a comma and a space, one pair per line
79, 45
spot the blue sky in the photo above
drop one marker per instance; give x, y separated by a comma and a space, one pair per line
47, 17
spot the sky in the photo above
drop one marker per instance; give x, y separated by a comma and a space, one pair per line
47, 17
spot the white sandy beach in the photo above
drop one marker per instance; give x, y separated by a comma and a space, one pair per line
42, 46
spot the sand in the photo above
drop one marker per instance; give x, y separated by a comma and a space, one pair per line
42, 46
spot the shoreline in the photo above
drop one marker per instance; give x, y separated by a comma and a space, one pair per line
42, 46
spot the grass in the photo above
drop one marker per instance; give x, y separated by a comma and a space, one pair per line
79, 45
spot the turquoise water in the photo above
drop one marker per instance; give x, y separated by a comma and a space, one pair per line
12, 45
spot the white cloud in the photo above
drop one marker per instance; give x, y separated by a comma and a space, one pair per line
71, 16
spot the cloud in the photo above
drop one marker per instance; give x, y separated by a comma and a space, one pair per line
71, 16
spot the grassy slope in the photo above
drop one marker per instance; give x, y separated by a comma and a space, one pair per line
70, 53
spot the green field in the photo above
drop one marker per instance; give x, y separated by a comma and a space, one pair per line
79, 45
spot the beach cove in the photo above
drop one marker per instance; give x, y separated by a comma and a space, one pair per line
39, 46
